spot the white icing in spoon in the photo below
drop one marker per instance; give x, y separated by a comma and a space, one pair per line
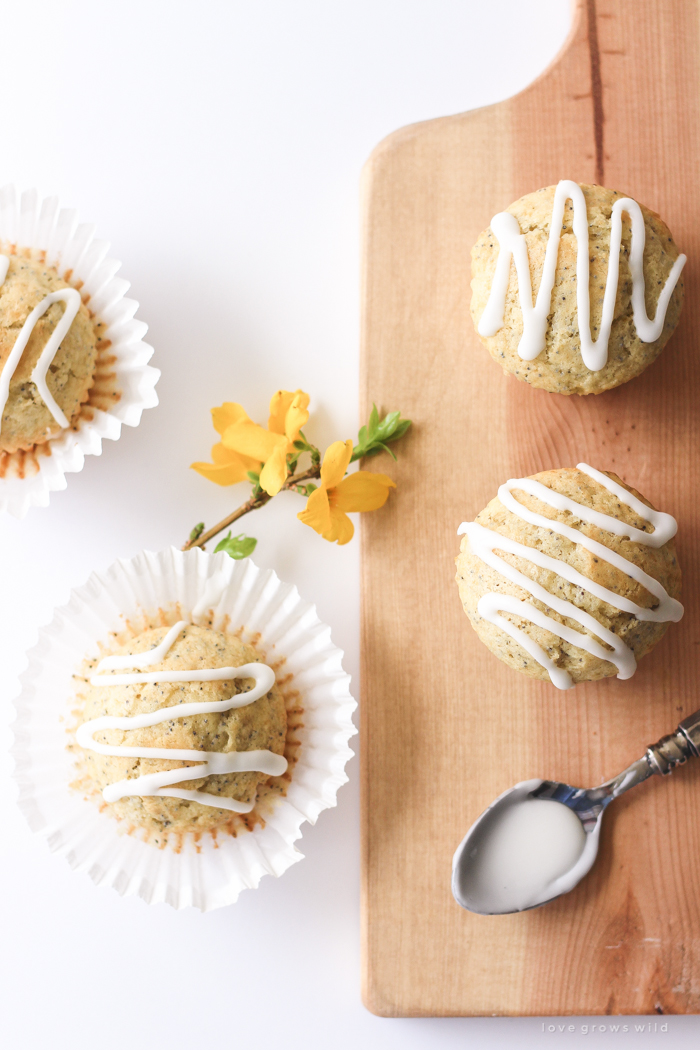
522, 852
512, 244
71, 298
216, 762
485, 542
519, 852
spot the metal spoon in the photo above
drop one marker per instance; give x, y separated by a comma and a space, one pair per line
588, 805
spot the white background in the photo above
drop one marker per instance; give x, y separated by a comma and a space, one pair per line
218, 145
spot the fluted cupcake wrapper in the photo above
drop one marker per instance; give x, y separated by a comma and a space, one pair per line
71, 248
212, 872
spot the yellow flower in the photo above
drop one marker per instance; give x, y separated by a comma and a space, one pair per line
326, 508
288, 414
229, 467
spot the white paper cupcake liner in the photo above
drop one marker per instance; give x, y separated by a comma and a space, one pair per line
209, 873
71, 248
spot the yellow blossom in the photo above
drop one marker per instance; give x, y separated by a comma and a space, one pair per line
228, 467
326, 507
288, 414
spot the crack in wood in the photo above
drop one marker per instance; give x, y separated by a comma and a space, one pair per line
596, 91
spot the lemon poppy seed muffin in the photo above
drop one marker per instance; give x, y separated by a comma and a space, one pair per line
551, 345
569, 575
259, 727
26, 418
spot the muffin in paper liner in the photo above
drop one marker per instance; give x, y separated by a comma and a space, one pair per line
124, 383
204, 871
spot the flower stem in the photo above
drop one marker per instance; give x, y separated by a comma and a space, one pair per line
292, 484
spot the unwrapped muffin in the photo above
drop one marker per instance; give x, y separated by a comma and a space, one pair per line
570, 575
177, 690
549, 301
43, 380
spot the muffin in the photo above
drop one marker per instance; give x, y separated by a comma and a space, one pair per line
32, 309
193, 612
232, 730
570, 575
582, 329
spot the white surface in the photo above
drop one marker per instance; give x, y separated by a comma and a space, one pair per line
219, 146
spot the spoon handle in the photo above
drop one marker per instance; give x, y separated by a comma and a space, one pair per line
676, 748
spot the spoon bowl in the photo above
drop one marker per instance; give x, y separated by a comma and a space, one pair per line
502, 864
537, 840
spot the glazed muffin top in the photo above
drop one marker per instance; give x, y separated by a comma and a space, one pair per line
28, 417
556, 348
570, 575
211, 736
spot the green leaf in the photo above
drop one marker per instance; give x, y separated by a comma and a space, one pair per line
401, 429
197, 532
301, 446
378, 447
310, 488
374, 438
252, 476
237, 546
387, 426
373, 424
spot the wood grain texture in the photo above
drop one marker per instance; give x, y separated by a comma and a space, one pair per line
445, 726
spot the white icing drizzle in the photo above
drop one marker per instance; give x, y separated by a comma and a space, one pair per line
147, 659
216, 762
485, 542
512, 244
71, 298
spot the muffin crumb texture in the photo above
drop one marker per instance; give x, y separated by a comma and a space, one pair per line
627, 631
560, 367
267, 724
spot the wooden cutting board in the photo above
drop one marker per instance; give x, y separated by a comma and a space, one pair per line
445, 726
